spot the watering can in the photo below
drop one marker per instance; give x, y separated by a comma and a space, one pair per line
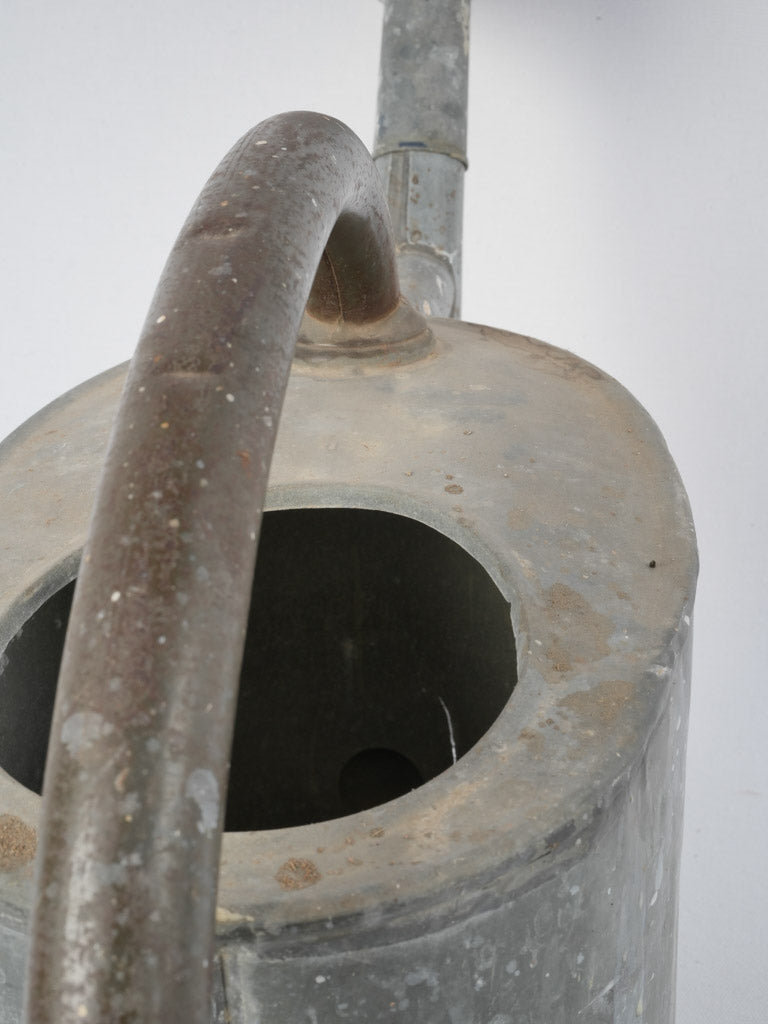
425, 761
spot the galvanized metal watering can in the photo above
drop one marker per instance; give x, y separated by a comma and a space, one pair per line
463, 660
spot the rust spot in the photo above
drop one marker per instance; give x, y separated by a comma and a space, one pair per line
454, 489
534, 742
558, 655
580, 634
519, 519
245, 458
18, 842
601, 705
376, 833
298, 873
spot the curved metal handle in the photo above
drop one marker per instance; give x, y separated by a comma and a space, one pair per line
137, 766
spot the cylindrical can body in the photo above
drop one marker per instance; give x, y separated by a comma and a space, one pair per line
461, 799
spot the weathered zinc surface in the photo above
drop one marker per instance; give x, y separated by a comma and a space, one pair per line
536, 878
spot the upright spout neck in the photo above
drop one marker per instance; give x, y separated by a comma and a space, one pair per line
420, 145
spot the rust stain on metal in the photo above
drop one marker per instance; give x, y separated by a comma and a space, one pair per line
520, 519
557, 653
298, 873
580, 634
535, 743
18, 842
601, 705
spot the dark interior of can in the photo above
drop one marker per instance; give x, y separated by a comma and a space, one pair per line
378, 652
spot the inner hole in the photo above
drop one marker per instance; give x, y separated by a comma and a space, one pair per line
375, 776
378, 652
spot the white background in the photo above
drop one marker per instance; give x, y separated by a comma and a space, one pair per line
617, 205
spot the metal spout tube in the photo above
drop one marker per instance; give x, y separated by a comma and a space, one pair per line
420, 145
136, 777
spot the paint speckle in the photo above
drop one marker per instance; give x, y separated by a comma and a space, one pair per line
226, 916
320, 979
83, 729
203, 788
230, 397
160, 319
115, 596
173, 523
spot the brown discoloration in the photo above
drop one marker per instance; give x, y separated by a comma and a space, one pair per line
519, 519
18, 842
558, 655
601, 706
580, 634
534, 742
454, 489
298, 873
612, 492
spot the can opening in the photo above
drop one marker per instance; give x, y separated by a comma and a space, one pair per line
378, 652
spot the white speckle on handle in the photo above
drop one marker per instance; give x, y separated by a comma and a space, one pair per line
204, 790
83, 729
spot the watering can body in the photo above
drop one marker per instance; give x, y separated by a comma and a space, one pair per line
475, 582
